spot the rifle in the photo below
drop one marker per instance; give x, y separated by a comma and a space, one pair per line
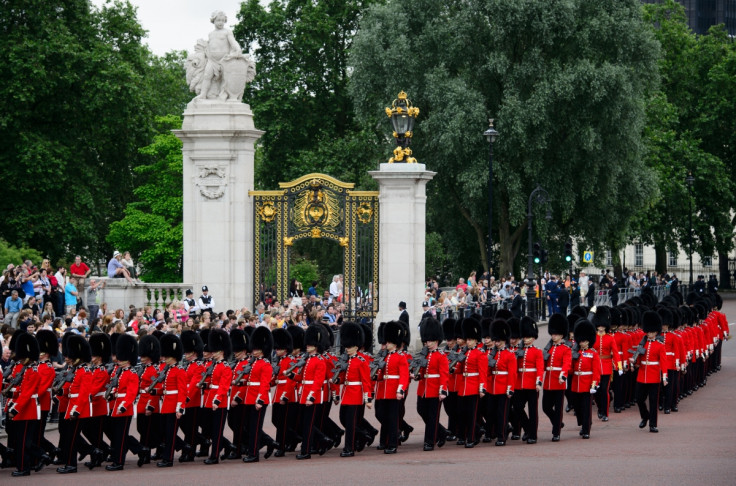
14, 382
109, 367
291, 371
340, 366
492, 357
206, 374
63, 377
275, 366
520, 350
245, 371
419, 361
545, 352
159, 379
9, 370
378, 363
109, 395
455, 357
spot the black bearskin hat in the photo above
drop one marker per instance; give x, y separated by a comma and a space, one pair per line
149, 347
205, 335
313, 337
65, 344
380, 335
78, 349
282, 339
448, 328
692, 298
584, 331
602, 317
459, 328
126, 349
297, 337
406, 334
471, 329
651, 322
579, 310
158, 334
431, 330
113, 342
192, 343
367, 337
351, 334
171, 347
26, 346
665, 315
616, 317
393, 333
47, 342
329, 336
558, 324
500, 330
101, 346
504, 314
14, 338
514, 327
485, 327
239, 340
262, 340
218, 340
529, 328
719, 301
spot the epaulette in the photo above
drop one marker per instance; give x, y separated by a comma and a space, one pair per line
360, 357
35, 367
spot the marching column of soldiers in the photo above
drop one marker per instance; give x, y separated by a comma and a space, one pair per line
181, 391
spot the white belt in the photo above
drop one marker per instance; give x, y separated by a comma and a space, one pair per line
308, 382
171, 392
214, 387
650, 362
553, 368
13, 389
471, 374
500, 372
253, 383
353, 383
34, 396
391, 377
583, 373
100, 394
73, 395
526, 370
120, 395
431, 376
670, 354
281, 382
48, 390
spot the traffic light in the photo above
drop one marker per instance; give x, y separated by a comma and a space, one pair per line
544, 256
568, 251
537, 253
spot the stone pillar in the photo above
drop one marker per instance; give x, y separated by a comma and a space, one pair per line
219, 138
403, 200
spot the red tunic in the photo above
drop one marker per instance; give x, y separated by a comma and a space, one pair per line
24, 400
125, 394
146, 400
435, 377
174, 390
80, 393
559, 362
586, 371
217, 391
285, 388
237, 389
258, 385
530, 369
652, 363
356, 381
46, 374
623, 342
475, 373
395, 377
502, 376
312, 378
100, 379
607, 349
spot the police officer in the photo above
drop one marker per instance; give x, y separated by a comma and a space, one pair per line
190, 304
206, 301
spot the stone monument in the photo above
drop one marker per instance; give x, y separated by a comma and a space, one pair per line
218, 137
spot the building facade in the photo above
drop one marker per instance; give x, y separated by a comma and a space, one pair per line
702, 14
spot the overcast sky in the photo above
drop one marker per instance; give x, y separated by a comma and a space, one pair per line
177, 24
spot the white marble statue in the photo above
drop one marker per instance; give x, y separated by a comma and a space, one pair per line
218, 69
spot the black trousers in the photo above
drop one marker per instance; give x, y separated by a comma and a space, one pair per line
217, 428
92, 430
42, 441
467, 414
120, 427
204, 422
284, 418
349, 415
311, 435
618, 390
429, 410
530, 422
255, 428
670, 391
387, 413
450, 404
403, 424
149, 429
236, 420
74, 438
325, 423
498, 412
583, 405
169, 426
602, 396
23, 442
650, 391
552, 405
189, 426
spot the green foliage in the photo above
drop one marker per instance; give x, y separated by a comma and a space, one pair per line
566, 81
17, 255
436, 257
304, 271
152, 226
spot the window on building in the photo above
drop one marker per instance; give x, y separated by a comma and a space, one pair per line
639, 254
707, 261
673, 259
609, 258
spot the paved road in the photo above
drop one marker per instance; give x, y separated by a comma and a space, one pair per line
695, 445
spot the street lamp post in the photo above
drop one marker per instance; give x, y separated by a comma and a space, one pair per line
491, 134
542, 197
690, 180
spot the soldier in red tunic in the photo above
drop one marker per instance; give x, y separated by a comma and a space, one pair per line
502, 367
257, 395
124, 391
193, 348
79, 400
586, 367
607, 349
148, 403
530, 370
217, 398
433, 382
283, 411
619, 323
450, 403
92, 427
49, 348
652, 369
311, 395
475, 374
558, 363
236, 416
357, 389
174, 394
393, 380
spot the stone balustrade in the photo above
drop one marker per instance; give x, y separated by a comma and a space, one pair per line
119, 294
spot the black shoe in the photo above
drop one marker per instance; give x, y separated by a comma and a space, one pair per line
643, 423
428, 447
555, 438
405, 435
524, 437
110, 467
212, 460
165, 464
144, 456
586, 436
500, 443
441, 441
470, 445
460, 442
303, 456
204, 450
515, 437
531, 441
186, 458
451, 437
617, 410
270, 447
568, 408
380, 447
600, 415
279, 453
604, 419
233, 455
43, 461
16, 474
653, 429
348, 453
581, 432
666, 411
67, 469
675, 409
250, 459
487, 439
157, 456
391, 450
660, 408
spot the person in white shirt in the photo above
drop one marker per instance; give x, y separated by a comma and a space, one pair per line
583, 284
206, 301
334, 288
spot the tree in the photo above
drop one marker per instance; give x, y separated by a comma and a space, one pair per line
15, 255
299, 96
152, 226
567, 82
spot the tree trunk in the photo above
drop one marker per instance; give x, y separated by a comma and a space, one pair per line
660, 250
509, 242
724, 275
478, 230
617, 267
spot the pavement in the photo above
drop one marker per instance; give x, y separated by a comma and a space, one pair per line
695, 445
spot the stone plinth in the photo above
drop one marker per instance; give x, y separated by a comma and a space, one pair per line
403, 199
219, 138
119, 294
